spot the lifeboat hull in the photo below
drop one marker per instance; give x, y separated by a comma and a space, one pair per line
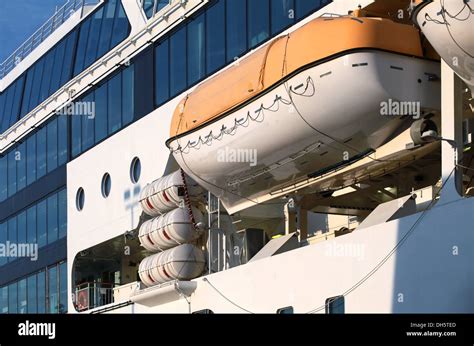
449, 26
324, 116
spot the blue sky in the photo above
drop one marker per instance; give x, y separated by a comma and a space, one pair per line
19, 19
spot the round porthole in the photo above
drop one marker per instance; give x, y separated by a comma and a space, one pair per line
106, 185
135, 170
80, 199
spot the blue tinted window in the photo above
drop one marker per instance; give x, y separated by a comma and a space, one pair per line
3, 240
62, 213
11, 173
52, 139
87, 119
41, 223
236, 19
120, 30
305, 7
9, 94
21, 221
81, 47
128, 95
41, 289
62, 140
178, 80
148, 7
15, 112
106, 29
258, 22
283, 14
3, 178
58, 63
215, 36
46, 80
4, 300
41, 153
31, 283
35, 90
22, 296
63, 288
31, 224
69, 51
31, 159
12, 299
53, 290
91, 51
76, 129
100, 96
26, 95
12, 233
161, 73
2, 108
52, 218
21, 166
196, 49
114, 104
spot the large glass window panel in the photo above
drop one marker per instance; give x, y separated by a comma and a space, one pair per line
35, 90
62, 213
9, 94
178, 80
3, 240
283, 14
305, 7
41, 289
21, 166
120, 30
41, 223
62, 140
31, 225
16, 106
148, 7
128, 95
58, 63
81, 47
258, 21
13, 298
2, 107
12, 155
41, 153
162, 73
94, 34
87, 120
3, 178
53, 293
215, 36
31, 159
21, 228
196, 49
106, 29
12, 234
22, 298
26, 94
63, 288
4, 300
236, 20
114, 103
68, 61
47, 72
53, 218
32, 294
76, 140
52, 139
100, 122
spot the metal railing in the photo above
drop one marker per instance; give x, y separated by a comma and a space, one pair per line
59, 17
90, 295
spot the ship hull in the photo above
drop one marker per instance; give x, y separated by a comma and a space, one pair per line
324, 116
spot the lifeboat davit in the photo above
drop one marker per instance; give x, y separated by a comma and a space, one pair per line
170, 229
303, 104
449, 26
184, 262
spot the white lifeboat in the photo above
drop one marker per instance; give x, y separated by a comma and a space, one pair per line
184, 262
170, 229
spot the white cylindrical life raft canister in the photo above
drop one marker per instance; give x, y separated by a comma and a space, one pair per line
166, 193
169, 230
184, 262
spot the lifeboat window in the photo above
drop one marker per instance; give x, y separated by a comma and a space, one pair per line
106, 185
135, 170
203, 312
285, 310
80, 199
335, 305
